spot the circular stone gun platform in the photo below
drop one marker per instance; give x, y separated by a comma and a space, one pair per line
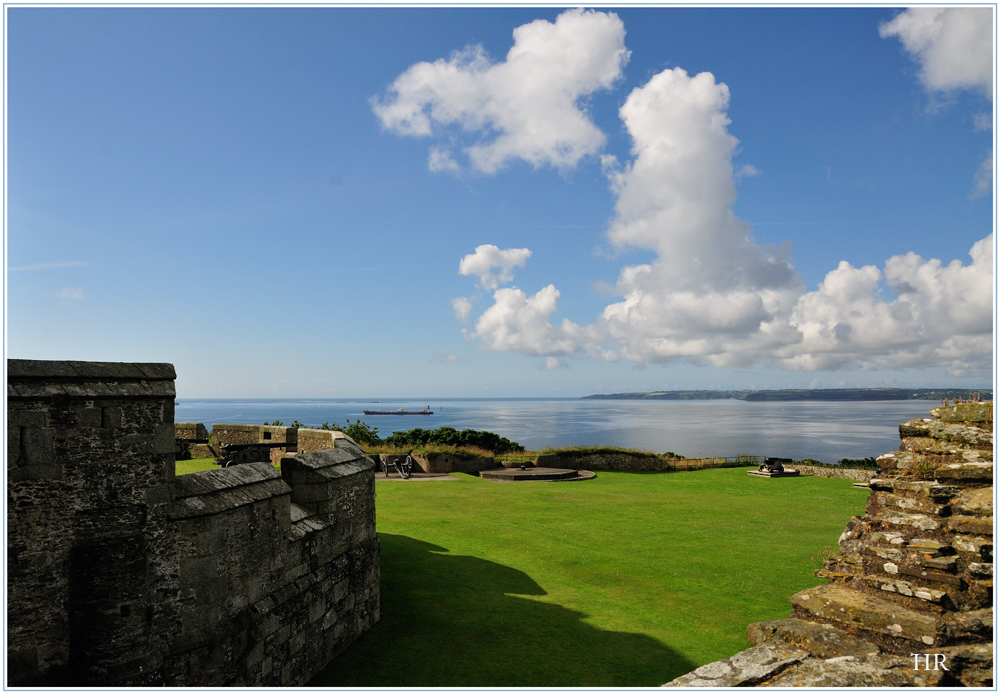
536, 474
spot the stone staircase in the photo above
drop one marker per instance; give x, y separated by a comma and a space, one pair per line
909, 597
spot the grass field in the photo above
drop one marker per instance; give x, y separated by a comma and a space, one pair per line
186, 467
630, 579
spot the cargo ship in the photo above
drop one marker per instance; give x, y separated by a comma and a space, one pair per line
426, 410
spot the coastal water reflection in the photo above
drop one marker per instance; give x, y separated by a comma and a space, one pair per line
826, 431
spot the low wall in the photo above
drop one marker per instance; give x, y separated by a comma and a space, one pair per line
443, 463
619, 461
843, 473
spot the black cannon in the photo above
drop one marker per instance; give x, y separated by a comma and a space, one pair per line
236, 453
773, 465
403, 464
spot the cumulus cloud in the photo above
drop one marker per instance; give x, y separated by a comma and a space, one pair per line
526, 107
953, 45
712, 295
517, 322
942, 316
487, 257
746, 171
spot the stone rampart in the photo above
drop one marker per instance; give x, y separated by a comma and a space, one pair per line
121, 574
912, 585
256, 433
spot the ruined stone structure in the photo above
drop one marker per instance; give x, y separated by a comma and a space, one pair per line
121, 574
911, 590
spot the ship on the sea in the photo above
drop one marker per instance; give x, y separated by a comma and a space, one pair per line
426, 410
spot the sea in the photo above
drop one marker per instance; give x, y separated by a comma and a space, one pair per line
824, 431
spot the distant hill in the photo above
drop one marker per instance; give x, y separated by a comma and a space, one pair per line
819, 394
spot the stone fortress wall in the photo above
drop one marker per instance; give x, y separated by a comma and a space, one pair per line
301, 440
912, 585
121, 574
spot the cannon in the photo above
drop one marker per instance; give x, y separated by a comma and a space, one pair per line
403, 464
237, 453
773, 465
181, 446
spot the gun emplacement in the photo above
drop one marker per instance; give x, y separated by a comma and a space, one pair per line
237, 453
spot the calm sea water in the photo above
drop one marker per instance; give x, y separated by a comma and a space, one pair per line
826, 431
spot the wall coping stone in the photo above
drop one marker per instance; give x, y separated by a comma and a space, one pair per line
25, 369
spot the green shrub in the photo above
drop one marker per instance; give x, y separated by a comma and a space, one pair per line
448, 436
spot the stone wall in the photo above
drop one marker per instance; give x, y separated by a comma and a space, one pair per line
309, 440
443, 463
912, 586
121, 574
838, 473
185, 450
255, 433
621, 461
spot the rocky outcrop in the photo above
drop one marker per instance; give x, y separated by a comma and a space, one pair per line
909, 598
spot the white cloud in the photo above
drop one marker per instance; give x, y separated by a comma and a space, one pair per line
526, 107
714, 296
75, 293
942, 316
48, 266
441, 160
520, 323
982, 182
462, 308
747, 171
487, 257
954, 45
711, 294
552, 363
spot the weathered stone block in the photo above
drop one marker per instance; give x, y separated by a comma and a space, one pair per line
821, 640
970, 525
864, 612
745, 669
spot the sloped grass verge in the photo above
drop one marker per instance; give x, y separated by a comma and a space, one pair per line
630, 579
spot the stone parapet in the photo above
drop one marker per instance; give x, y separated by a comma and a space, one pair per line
122, 575
913, 577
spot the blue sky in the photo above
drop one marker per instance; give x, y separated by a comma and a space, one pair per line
428, 202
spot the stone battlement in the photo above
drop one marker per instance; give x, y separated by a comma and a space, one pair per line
121, 574
913, 577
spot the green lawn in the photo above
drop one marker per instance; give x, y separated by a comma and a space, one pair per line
186, 467
630, 579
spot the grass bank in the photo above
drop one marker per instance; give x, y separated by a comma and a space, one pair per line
630, 579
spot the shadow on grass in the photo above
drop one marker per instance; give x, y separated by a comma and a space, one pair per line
456, 621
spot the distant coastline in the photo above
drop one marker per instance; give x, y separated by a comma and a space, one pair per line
816, 394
